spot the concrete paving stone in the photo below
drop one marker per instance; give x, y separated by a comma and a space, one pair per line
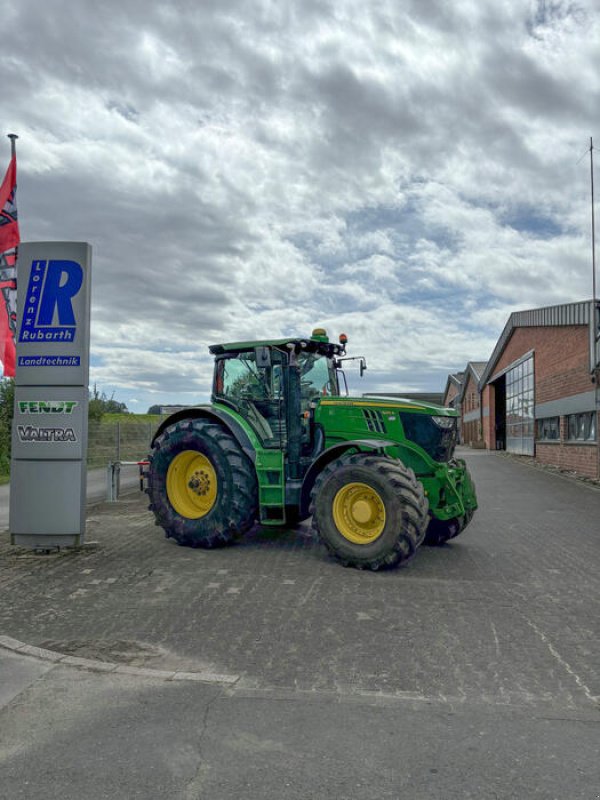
145, 672
206, 677
473, 673
10, 643
88, 663
17, 674
505, 614
40, 652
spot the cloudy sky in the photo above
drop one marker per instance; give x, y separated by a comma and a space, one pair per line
407, 172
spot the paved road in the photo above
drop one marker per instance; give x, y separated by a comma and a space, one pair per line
472, 673
96, 489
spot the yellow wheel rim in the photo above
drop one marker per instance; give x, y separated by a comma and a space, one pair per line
191, 484
359, 513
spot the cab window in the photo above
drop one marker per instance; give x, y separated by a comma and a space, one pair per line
317, 376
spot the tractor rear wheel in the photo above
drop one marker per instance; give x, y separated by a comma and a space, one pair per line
369, 511
202, 486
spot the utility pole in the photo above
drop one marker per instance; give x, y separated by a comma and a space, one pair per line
593, 222
595, 310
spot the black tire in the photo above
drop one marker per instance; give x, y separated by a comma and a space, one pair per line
467, 518
440, 531
403, 500
293, 517
235, 498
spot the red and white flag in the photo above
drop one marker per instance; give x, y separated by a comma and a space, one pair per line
9, 241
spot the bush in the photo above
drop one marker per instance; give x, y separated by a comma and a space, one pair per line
7, 402
100, 404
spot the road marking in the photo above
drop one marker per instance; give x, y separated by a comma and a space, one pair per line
496, 640
562, 662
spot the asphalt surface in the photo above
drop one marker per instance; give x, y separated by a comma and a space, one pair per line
472, 673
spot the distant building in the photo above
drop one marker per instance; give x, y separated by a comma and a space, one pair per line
538, 395
470, 404
452, 394
453, 389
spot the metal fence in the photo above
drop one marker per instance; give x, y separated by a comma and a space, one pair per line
119, 441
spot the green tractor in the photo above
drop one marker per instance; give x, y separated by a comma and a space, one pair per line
281, 443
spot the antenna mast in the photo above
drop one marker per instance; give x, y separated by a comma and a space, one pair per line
593, 222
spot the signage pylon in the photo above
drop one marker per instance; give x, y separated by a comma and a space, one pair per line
49, 436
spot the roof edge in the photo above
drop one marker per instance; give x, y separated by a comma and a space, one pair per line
565, 314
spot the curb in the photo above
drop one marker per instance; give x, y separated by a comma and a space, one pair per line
8, 643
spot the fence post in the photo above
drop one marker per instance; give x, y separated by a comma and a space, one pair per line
113, 475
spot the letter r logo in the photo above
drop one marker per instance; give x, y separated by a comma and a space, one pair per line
50, 316
63, 281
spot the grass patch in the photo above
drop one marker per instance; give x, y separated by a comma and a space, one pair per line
132, 419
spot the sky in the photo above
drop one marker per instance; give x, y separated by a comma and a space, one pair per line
406, 172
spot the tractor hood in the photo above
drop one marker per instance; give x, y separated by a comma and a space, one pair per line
433, 428
398, 403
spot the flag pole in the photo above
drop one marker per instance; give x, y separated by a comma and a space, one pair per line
13, 147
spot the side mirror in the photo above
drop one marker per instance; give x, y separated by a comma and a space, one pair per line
363, 366
263, 357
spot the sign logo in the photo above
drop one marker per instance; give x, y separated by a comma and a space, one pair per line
48, 306
27, 433
48, 361
47, 406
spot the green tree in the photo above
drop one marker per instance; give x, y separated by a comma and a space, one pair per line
99, 404
7, 402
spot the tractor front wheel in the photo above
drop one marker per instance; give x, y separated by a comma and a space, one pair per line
202, 486
369, 511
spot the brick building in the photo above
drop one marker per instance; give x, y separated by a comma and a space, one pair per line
538, 395
452, 390
452, 396
469, 400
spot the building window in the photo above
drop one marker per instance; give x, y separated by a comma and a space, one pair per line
548, 429
582, 427
519, 408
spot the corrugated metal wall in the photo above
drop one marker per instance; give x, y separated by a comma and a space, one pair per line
567, 314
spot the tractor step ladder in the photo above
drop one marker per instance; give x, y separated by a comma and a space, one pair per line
271, 487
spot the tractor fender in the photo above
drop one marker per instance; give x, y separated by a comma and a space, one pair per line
329, 455
215, 414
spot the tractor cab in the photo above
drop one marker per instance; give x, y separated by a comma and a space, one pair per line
276, 384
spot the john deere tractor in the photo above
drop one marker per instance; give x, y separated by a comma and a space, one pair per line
281, 442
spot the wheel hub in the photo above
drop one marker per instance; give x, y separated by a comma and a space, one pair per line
362, 511
359, 513
192, 484
200, 483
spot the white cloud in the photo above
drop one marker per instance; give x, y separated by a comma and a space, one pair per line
407, 173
